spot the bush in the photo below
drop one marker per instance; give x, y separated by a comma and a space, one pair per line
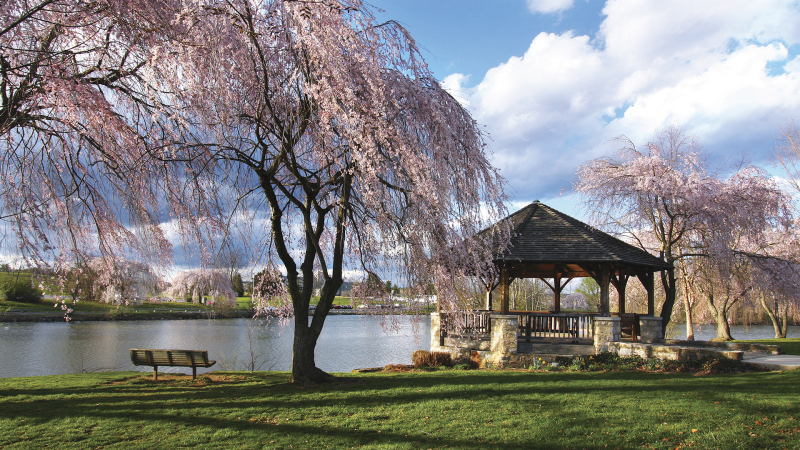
422, 358
441, 359
21, 291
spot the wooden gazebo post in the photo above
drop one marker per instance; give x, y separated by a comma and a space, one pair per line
620, 282
557, 287
557, 293
651, 294
605, 279
504, 286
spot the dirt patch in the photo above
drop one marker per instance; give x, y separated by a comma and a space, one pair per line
182, 379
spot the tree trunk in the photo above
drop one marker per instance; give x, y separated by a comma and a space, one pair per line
668, 280
687, 306
720, 313
778, 323
304, 369
689, 323
723, 328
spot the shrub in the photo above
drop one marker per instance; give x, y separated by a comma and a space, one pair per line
422, 358
441, 359
21, 291
462, 367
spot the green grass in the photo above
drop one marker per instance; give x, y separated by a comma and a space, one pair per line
453, 409
46, 306
789, 346
336, 300
244, 303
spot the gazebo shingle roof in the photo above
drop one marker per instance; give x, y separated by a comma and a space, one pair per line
541, 234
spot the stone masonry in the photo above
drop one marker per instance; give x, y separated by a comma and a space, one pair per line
650, 329
436, 325
606, 330
504, 339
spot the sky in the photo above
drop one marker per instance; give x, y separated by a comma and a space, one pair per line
553, 81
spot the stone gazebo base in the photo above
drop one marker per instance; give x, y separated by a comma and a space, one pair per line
501, 346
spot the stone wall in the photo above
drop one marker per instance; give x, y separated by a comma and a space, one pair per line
436, 326
467, 342
650, 329
606, 331
504, 334
670, 352
502, 351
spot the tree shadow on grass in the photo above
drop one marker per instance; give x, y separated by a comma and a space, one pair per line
248, 403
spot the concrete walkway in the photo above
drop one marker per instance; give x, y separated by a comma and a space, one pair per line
773, 362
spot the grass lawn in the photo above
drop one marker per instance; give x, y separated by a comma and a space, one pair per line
789, 346
445, 409
46, 306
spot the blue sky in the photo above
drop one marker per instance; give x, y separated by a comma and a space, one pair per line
554, 80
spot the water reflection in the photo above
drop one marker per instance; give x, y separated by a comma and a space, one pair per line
346, 343
706, 332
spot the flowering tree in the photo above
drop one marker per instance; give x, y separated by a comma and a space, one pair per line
649, 197
775, 276
79, 103
332, 126
199, 283
308, 116
663, 199
119, 279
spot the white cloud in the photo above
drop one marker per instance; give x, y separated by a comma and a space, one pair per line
701, 65
549, 6
455, 84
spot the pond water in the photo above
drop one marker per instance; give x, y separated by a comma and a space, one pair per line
346, 343
706, 332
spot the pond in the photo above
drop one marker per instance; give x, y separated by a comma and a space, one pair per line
706, 332
347, 343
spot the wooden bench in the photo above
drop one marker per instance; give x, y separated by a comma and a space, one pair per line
171, 358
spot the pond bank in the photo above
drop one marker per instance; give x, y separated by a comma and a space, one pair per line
56, 315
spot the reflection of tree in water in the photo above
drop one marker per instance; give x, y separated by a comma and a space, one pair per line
256, 348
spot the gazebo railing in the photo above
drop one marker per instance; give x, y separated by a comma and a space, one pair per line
555, 325
477, 324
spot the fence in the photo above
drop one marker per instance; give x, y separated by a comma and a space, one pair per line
477, 324
549, 325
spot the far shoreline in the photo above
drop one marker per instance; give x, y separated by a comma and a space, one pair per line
114, 315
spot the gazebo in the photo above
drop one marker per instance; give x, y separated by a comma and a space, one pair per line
556, 248
548, 244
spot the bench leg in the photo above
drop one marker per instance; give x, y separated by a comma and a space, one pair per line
155, 373
194, 373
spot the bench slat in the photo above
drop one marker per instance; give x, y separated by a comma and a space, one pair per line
171, 358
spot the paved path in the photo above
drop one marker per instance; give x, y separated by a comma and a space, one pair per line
774, 362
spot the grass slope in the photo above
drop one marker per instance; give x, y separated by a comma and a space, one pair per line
446, 409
